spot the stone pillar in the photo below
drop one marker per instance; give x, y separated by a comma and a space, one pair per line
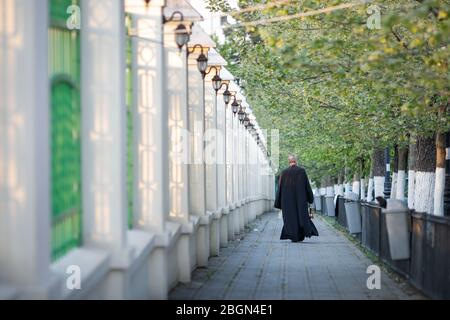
221, 169
24, 151
179, 153
211, 148
197, 178
236, 174
229, 168
104, 134
150, 136
241, 178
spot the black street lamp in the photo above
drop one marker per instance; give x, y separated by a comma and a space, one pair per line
241, 114
246, 121
216, 80
226, 94
202, 60
181, 33
234, 106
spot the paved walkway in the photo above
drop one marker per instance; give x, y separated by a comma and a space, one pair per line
260, 266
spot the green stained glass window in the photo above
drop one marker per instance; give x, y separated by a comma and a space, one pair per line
65, 110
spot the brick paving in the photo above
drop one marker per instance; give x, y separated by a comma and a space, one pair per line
260, 266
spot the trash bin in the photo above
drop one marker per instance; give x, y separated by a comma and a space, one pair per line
353, 216
398, 226
329, 201
317, 203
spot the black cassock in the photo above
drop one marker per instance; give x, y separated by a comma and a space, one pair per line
293, 195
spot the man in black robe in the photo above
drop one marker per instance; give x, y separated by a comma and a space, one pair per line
293, 195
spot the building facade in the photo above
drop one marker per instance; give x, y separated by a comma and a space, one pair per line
121, 167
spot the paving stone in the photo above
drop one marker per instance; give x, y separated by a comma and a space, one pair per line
260, 266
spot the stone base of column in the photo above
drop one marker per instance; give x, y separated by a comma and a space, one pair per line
158, 275
246, 213
187, 250
242, 217
203, 242
48, 290
236, 223
230, 224
224, 228
215, 234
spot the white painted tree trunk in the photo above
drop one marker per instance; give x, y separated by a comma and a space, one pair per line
356, 187
341, 190
401, 181
439, 192
394, 186
424, 192
379, 186
411, 187
329, 192
363, 189
347, 189
370, 191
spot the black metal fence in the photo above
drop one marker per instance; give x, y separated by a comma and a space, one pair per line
428, 268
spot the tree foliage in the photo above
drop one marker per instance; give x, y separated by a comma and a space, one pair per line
336, 88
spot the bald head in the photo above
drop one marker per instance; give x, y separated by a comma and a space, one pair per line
292, 159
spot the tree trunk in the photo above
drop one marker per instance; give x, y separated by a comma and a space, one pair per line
425, 174
356, 185
347, 183
440, 175
379, 170
329, 191
341, 183
323, 186
412, 172
362, 190
395, 174
401, 175
370, 185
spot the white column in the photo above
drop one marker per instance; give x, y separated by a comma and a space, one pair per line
103, 126
236, 173
177, 104
211, 149
222, 169
197, 178
150, 139
24, 149
229, 168
176, 86
150, 129
197, 203
241, 163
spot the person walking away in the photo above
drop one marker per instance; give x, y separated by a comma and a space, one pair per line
293, 197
